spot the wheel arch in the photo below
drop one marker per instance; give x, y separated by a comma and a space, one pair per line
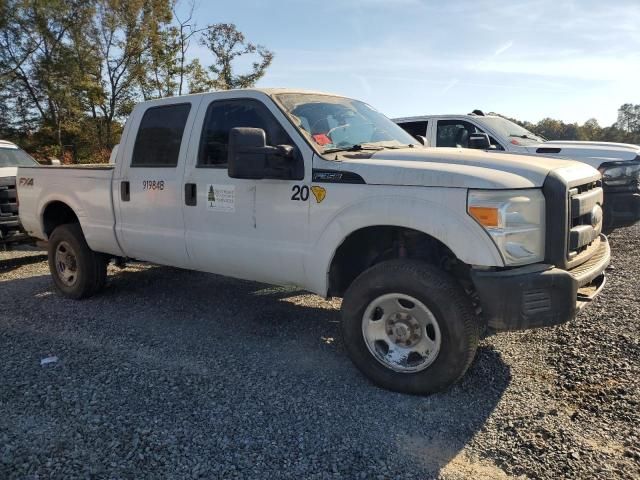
431, 224
56, 213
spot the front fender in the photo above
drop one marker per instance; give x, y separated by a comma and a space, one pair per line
443, 217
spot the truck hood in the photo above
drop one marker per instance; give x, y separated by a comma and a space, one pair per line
8, 171
593, 153
462, 168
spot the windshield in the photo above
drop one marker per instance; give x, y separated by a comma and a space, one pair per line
14, 157
506, 128
336, 123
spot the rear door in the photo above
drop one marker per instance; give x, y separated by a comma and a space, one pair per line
148, 186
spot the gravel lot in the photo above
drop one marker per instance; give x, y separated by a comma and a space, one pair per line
174, 374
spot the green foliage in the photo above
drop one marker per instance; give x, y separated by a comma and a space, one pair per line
227, 44
72, 70
625, 130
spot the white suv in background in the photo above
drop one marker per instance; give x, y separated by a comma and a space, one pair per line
619, 163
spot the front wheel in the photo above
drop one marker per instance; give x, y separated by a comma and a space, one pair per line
77, 271
409, 327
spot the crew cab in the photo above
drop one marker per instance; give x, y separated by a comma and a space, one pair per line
11, 156
619, 163
427, 247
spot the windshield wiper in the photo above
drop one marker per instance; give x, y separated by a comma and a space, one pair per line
363, 146
354, 148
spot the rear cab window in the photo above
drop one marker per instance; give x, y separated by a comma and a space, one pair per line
160, 135
415, 129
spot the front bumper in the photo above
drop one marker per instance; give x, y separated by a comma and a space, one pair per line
621, 209
539, 295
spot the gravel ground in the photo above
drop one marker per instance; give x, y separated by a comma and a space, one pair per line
175, 374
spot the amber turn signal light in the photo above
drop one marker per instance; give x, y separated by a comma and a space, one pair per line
486, 216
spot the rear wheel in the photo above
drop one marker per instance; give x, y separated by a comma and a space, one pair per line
409, 327
77, 271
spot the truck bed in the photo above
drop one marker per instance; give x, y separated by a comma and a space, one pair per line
86, 189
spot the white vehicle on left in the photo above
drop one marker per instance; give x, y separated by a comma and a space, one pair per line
11, 157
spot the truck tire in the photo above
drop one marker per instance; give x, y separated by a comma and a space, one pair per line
77, 271
409, 327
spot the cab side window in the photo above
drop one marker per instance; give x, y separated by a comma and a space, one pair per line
456, 133
415, 128
222, 116
160, 136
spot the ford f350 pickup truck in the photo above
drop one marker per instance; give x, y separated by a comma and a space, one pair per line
619, 163
427, 247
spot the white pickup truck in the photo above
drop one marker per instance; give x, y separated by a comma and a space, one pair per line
619, 163
427, 247
11, 156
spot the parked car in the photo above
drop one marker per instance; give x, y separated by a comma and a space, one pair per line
619, 163
323, 192
11, 157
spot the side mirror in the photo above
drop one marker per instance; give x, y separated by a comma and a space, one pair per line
479, 141
249, 156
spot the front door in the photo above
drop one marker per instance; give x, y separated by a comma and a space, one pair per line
245, 228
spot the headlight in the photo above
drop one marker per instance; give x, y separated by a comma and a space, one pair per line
515, 219
620, 174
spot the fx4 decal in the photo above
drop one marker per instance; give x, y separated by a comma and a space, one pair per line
25, 182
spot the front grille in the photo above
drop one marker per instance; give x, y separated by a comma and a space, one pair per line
574, 220
585, 218
10, 229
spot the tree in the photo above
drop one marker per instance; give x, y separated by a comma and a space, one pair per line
166, 71
227, 44
122, 32
629, 118
590, 130
186, 28
199, 80
37, 75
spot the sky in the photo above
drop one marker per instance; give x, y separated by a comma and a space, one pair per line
566, 59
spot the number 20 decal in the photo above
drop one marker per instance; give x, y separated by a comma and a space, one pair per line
300, 193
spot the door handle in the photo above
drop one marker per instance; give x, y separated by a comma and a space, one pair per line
125, 191
190, 194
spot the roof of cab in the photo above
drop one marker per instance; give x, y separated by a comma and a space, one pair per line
445, 117
267, 91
